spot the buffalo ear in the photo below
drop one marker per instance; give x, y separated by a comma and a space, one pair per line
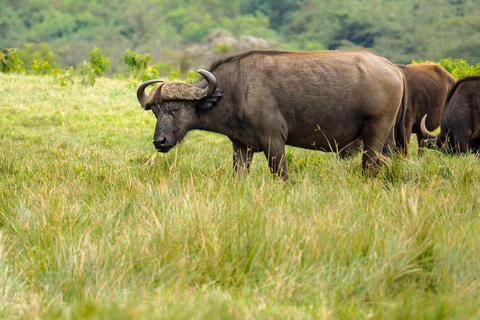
209, 101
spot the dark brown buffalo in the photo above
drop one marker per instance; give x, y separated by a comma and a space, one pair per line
264, 100
428, 86
460, 127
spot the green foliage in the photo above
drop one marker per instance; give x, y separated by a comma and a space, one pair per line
192, 23
256, 24
35, 53
96, 67
279, 12
10, 61
222, 48
87, 73
460, 68
135, 62
98, 63
140, 69
400, 31
40, 67
64, 77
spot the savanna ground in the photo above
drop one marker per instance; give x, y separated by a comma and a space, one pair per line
95, 224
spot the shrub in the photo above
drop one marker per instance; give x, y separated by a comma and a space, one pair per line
40, 67
87, 74
96, 67
459, 68
222, 48
136, 63
64, 77
37, 52
10, 61
98, 63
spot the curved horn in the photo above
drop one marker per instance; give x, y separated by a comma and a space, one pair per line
212, 82
141, 95
424, 129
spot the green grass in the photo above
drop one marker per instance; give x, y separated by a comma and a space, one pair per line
96, 225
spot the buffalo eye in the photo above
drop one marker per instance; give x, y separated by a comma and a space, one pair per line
175, 109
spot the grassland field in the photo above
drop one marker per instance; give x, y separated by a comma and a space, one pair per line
94, 224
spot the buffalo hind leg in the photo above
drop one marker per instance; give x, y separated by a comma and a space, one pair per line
242, 157
375, 136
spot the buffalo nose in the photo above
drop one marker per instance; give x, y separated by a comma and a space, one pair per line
159, 142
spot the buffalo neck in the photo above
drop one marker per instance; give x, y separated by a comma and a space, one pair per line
218, 119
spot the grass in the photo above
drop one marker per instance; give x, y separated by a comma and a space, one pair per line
96, 225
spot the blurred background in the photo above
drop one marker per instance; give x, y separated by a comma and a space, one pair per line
188, 34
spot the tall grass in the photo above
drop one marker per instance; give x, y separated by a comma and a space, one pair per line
96, 224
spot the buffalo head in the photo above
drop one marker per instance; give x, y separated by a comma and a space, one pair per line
174, 105
443, 140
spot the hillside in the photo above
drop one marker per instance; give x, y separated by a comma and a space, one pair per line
185, 33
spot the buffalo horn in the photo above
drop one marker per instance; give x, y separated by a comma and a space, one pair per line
424, 129
141, 95
184, 91
212, 82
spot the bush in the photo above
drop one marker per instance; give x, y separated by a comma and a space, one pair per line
98, 63
87, 74
459, 68
96, 67
34, 53
135, 62
10, 61
64, 77
40, 67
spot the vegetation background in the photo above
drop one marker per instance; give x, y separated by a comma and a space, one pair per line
94, 224
188, 34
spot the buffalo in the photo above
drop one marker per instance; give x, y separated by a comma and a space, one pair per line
460, 124
264, 100
428, 87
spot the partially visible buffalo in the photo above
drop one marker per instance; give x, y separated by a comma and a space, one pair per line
264, 100
428, 87
460, 127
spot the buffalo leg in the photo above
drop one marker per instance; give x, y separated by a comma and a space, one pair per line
446, 142
408, 130
242, 157
351, 149
375, 134
461, 143
275, 154
390, 146
474, 147
421, 144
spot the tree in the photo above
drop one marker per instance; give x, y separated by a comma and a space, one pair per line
279, 12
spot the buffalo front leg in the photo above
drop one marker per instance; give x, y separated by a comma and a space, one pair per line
242, 157
421, 140
275, 154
